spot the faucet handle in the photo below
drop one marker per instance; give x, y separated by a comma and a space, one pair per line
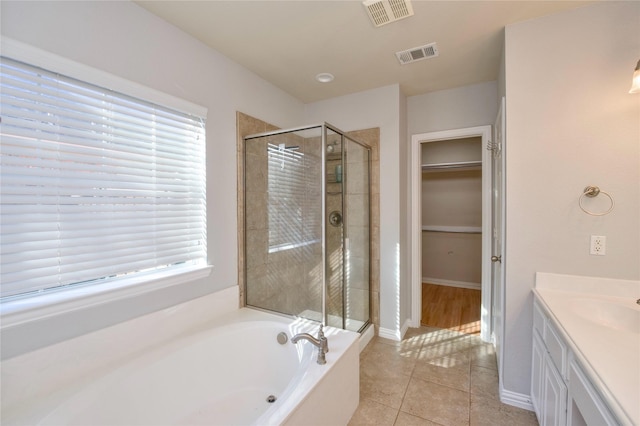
323, 340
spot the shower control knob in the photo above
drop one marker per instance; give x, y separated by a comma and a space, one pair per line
335, 218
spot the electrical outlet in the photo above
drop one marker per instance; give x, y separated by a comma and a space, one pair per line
598, 245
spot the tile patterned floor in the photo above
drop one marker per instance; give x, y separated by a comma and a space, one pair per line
433, 377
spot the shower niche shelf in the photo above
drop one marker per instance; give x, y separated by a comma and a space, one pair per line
334, 188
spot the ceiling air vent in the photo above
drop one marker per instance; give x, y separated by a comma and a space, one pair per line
417, 53
384, 12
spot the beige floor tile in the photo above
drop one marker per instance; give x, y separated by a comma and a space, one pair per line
372, 413
484, 356
484, 381
387, 341
407, 344
440, 335
447, 344
451, 370
406, 348
491, 412
367, 348
383, 386
437, 403
406, 419
434, 377
390, 358
421, 334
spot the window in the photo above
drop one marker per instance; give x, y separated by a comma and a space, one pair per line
96, 185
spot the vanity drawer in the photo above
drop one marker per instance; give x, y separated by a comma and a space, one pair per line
556, 348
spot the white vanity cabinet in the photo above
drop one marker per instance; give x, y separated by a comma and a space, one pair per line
584, 402
548, 388
561, 392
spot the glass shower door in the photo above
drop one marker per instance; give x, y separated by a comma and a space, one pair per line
347, 232
356, 235
334, 229
307, 218
283, 222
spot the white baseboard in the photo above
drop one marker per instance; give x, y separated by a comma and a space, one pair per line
451, 283
392, 334
519, 400
405, 327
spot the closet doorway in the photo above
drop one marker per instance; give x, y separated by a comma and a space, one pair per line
451, 237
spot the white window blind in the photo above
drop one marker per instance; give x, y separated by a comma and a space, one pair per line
96, 185
294, 212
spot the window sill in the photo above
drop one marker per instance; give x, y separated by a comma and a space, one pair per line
20, 311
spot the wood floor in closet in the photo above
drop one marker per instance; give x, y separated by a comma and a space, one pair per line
453, 308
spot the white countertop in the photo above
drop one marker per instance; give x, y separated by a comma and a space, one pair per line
609, 354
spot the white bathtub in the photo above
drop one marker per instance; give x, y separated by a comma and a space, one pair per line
220, 374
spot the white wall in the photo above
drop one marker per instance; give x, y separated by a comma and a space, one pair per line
405, 215
468, 106
378, 108
462, 107
570, 123
125, 40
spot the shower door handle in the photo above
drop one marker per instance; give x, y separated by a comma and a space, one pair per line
496, 259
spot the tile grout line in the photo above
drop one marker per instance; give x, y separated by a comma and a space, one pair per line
408, 383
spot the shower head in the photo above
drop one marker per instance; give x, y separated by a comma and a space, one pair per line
333, 146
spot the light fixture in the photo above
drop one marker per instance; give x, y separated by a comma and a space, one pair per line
324, 77
635, 83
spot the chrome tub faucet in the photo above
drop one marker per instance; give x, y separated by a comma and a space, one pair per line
321, 343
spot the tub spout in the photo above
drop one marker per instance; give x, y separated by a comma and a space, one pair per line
321, 343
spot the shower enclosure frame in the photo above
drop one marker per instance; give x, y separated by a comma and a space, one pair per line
323, 170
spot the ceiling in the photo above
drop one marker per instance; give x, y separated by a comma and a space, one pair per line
289, 42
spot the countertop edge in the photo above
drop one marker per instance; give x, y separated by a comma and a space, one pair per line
617, 410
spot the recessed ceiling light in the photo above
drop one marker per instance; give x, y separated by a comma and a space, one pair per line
324, 77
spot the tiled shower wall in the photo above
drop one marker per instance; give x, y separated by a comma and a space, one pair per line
292, 289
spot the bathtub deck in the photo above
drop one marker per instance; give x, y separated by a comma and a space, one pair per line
189, 374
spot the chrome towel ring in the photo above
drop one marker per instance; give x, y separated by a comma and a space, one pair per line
592, 192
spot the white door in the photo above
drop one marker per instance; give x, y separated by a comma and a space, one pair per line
497, 225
